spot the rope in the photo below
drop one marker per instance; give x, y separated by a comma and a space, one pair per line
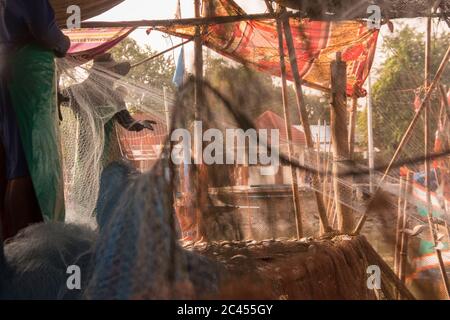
160, 53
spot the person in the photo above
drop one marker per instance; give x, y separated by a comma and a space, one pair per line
28, 36
99, 95
99, 105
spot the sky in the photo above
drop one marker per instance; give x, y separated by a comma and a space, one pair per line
165, 9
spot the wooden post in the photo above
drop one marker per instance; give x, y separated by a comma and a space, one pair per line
166, 111
447, 230
398, 231
352, 130
444, 99
370, 144
198, 62
200, 173
324, 225
431, 226
340, 139
403, 254
287, 122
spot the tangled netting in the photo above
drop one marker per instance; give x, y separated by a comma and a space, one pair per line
93, 115
143, 215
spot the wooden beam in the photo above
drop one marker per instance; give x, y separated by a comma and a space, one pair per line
201, 171
351, 9
191, 22
398, 231
350, 15
137, 64
339, 132
304, 117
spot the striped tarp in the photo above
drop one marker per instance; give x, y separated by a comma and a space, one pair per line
87, 43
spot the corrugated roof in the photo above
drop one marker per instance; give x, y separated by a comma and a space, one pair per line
270, 120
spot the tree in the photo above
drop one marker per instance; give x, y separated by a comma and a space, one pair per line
400, 76
156, 73
217, 69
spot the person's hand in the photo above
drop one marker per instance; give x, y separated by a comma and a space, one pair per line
148, 124
62, 98
141, 125
61, 50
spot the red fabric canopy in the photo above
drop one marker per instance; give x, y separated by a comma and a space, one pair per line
255, 44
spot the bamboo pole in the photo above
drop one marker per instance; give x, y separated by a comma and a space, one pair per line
444, 99
431, 225
326, 168
324, 224
340, 139
404, 240
188, 22
288, 123
210, 20
399, 225
318, 159
406, 136
426, 121
352, 130
160, 53
447, 230
198, 102
370, 142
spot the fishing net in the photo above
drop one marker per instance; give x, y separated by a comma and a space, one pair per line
94, 98
223, 176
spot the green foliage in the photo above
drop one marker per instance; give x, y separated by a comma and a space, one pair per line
217, 70
157, 73
393, 94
